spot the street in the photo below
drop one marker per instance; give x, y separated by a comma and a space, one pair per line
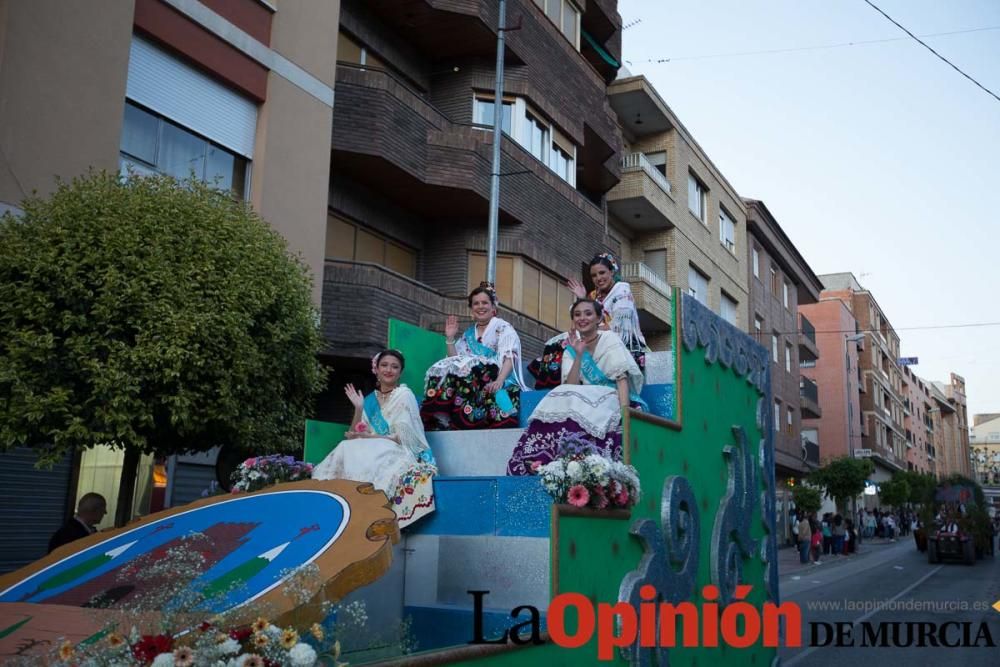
898, 578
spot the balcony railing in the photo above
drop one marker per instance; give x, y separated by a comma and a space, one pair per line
808, 389
808, 330
639, 162
633, 271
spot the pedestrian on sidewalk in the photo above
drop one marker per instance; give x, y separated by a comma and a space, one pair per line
824, 527
804, 535
850, 538
838, 531
817, 540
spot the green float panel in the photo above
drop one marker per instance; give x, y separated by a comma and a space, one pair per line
321, 438
422, 348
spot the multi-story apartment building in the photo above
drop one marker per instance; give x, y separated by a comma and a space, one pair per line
985, 455
952, 443
235, 90
920, 405
676, 218
883, 435
837, 376
412, 145
780, 281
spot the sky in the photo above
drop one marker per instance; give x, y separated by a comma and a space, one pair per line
877, 159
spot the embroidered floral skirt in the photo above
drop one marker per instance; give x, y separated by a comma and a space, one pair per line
547, 369
540, 445
458, 402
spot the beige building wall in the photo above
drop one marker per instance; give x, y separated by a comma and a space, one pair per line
690, 241
63, 65
291, 170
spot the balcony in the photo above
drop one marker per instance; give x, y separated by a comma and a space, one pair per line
808, 350
651, 294
809, 398
642, 199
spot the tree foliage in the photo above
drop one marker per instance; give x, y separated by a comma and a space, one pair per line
894, 492
807, 498
843, 478
152, 315
921, 485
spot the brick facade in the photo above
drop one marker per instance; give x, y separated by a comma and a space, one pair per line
409, 164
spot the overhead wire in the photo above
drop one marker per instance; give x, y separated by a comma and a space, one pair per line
926, 46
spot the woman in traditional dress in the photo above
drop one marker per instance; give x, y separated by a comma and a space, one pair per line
385, 444
599, 379
478, 385
620, 316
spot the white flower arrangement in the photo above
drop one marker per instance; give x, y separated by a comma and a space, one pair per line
586, 479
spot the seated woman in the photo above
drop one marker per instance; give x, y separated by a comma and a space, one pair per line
385, 444
599, 379
620, 316
478, 385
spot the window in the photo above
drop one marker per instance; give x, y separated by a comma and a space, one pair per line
784, 295
565, 15
531, 131
774, 282
807, 363
349, 50
542, 295
482, 113
657, 261
755, 256
349, 241
697, 284
659, 161
774, 347
777, 416
788, 358
696, 198
536, 138
727, 308
727, 231
790, 421
153, 144
758, 327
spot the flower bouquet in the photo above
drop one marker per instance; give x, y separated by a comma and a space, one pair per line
259, 472
584, 478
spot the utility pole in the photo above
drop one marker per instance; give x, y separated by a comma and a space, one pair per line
494, 224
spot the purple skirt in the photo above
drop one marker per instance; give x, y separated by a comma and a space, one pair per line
540, 445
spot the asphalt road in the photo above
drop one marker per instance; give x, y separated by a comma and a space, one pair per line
913, 592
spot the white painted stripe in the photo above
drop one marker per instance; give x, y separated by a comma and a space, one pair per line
273, 553
118, 551
263, 54
865, 617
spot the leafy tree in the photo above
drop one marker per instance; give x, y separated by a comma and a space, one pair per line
807, 498
153, 316
921, 485
843, 479
894, 492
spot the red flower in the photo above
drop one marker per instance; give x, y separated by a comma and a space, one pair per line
150, 646
622, 498
598, 499
241, 634
361, 427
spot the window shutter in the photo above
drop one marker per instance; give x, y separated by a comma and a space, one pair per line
165, 84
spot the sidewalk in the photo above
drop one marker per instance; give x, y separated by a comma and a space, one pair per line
788, 558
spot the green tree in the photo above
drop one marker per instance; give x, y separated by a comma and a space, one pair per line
894, 492
921, 485
154, 316
842, 479
807, 498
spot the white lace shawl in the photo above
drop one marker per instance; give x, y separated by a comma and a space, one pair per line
619, 307
613, 359
402, 413
499, 336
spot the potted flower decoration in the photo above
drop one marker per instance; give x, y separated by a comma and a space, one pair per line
262, 471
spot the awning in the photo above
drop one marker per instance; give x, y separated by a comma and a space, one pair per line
605, 56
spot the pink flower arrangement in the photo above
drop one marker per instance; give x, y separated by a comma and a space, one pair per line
262, 471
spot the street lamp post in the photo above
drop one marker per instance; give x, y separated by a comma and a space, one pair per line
850, 406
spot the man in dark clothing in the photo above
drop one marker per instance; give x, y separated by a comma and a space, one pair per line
89, 512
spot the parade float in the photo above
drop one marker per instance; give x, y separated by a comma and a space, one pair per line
499, 574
